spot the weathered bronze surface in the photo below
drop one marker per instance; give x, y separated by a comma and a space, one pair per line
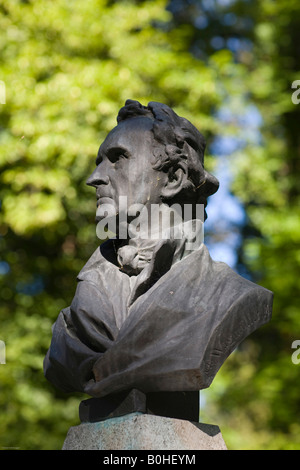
152, 314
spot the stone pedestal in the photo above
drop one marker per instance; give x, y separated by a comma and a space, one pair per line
139, 431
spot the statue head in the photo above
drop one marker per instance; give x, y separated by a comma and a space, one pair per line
152, 156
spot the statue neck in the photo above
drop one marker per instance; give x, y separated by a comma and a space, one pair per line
136, 252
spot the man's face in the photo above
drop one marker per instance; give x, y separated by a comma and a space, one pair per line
124, 166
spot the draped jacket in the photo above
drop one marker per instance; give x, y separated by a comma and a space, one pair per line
169, 328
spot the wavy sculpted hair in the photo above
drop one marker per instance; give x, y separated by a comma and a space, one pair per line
179, 143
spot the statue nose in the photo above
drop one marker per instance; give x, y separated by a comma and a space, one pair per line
97, 178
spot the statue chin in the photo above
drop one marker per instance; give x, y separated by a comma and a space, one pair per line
152, 314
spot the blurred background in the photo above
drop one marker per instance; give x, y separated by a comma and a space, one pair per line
67, 68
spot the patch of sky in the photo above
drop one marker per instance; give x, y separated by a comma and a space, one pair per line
211, 5
32, 287
226, 214
217, 42
4, 268
201, 22
229, 19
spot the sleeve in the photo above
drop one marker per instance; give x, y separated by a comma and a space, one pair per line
81, 334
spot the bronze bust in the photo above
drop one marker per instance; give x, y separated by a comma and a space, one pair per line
153, 313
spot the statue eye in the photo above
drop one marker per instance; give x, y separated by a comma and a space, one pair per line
115, 154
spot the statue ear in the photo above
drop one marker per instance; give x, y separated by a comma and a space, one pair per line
176, 181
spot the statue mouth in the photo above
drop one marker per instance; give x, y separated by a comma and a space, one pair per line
104, 200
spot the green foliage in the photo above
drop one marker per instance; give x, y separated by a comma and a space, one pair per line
257, 390
68, 67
